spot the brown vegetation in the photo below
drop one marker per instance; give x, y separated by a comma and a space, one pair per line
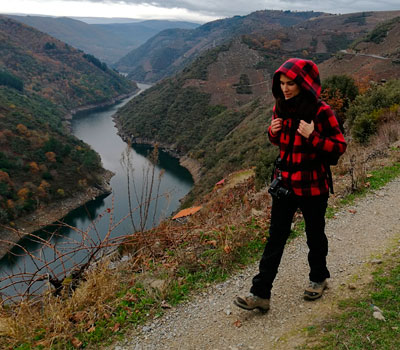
154, 261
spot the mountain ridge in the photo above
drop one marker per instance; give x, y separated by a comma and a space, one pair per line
109, 42
169, 51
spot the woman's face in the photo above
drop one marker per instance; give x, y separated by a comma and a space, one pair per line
289, 87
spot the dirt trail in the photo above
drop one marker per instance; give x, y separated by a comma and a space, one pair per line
358, 236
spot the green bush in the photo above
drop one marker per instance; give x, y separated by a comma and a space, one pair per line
243, 87
365, 126
50, 46
344, 84
377, 97
11, 80
95, 61
265, 167
365, 113
380, 32
337, 42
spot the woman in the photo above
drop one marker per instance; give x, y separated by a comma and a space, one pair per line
307, 133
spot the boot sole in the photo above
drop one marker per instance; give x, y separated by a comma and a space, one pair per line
248, 308
310, 297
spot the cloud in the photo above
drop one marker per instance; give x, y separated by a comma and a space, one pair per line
240, 7
193, 10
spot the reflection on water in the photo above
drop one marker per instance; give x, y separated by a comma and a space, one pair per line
109, 215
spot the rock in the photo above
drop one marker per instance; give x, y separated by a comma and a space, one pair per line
376, 261
255, 212
378, 316
158, 284
375, 308
165, 305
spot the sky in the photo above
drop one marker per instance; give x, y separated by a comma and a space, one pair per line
199, 11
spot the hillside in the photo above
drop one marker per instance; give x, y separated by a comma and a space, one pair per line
173, 285
216, 110
55, 70
373, 57
171, 50
210, 121
41, 81
108, 42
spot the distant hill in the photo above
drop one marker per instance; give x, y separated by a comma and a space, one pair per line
172, 49
108, 42
41, 80
216, 110
373, 57
56, 70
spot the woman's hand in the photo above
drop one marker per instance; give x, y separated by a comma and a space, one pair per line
305, 129
276, 126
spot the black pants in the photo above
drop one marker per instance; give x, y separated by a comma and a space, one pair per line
282, 212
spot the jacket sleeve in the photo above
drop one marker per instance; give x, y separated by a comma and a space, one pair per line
327, 137
274, 139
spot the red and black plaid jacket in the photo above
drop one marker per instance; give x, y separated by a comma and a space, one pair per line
325, 139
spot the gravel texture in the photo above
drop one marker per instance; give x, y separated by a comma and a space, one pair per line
358, 237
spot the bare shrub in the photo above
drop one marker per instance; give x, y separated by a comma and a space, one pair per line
360, 158
62, 318
387, 134
70, 285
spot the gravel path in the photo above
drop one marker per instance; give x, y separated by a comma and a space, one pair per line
358, 235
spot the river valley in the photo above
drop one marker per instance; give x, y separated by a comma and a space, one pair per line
136, 179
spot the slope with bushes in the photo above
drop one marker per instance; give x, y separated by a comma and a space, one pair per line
55, 70
171, 50
216, 110
41, 80
204, 114
39, 161
373, 57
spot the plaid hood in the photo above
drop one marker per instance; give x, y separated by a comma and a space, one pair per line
303, 72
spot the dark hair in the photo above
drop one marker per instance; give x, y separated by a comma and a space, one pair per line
302, 106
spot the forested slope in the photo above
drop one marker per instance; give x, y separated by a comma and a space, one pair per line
41, 81
216, 111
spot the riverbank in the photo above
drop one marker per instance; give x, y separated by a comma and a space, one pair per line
192, 165
92, 107
56, 211
49, 214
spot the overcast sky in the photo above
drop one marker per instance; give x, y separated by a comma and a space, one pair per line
189, 10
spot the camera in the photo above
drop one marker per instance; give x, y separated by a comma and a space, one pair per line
277, 190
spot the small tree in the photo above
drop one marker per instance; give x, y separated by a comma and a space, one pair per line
34, 167
341, 86
51, 156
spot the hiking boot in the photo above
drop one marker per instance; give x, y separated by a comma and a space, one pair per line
315, 290
251, 302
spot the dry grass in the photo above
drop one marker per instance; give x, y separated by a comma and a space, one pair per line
231, 218
60, 318
351, 174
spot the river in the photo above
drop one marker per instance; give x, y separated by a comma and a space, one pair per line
89, 224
